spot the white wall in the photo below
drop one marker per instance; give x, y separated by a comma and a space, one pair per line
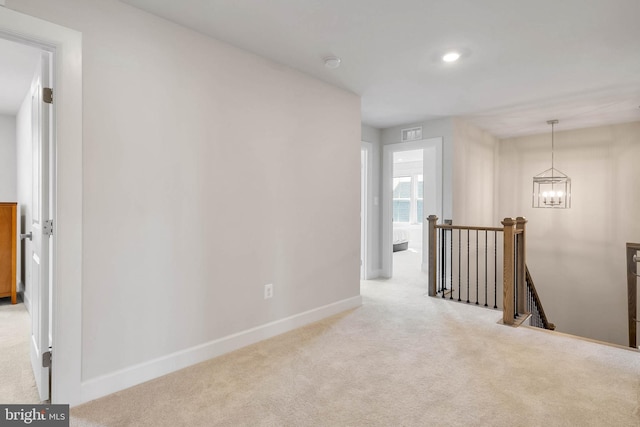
24, 179
7, 158
474, 169
370, 134
208, 172
577, 256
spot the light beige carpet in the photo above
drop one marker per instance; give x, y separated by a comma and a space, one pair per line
402, 359
17, 384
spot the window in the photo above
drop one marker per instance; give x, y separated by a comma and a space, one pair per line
408, 199
402, 199
420, 198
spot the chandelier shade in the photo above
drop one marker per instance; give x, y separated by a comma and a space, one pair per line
552, 188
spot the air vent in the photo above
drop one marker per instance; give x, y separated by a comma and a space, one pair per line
412, 134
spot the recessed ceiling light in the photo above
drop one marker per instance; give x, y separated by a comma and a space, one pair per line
332, 62
451, 57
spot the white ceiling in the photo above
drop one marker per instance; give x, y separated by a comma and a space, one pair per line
524, 61
17, 66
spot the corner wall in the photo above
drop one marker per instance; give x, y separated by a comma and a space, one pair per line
474, 172
577, 256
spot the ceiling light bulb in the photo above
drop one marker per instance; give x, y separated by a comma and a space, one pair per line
332, 62
451, 57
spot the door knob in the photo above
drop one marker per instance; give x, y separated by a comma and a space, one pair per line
26, 236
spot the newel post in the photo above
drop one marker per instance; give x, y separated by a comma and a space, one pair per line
508, 272
521, 264
632, 291
433, 243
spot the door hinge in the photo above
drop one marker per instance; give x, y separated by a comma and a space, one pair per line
47, 228
46, 359
47, 95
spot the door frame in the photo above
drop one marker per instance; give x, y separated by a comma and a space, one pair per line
366, 177
431, 146
65, 193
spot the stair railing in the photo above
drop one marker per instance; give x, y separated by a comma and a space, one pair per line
472, 274
534, 306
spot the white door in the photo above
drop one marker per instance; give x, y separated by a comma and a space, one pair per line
39, 255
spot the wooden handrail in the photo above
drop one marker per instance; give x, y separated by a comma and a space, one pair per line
467, 227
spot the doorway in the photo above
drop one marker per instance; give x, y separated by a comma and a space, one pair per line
66, 194
408, 212
26, 112
412, 190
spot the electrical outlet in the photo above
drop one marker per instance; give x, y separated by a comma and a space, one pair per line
268, 291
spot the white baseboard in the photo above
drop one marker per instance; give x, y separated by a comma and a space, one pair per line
129, 377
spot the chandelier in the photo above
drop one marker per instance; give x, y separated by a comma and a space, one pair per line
552, 188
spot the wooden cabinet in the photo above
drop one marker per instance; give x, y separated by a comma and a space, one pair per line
8, 239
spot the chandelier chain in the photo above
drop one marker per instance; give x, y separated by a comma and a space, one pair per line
552, 145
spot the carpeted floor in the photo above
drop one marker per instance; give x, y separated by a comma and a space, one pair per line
402, 359
17, 384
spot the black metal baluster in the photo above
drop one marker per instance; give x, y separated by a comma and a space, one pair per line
534, 316
437, 261
515, 280
442, 262
459, 263
468, 266
438, 238
495, 269
451, 262
485, 267
531, 308
477, 267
